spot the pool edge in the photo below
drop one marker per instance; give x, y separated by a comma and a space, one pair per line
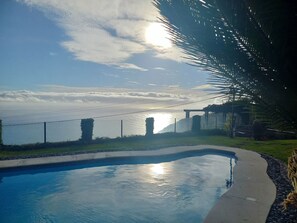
252, 194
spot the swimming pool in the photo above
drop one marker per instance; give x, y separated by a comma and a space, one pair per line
179, 188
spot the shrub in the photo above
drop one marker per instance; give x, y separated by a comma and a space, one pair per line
292, 174
228, 128
258, 130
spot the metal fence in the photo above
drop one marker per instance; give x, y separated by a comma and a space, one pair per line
62, 131
70, 130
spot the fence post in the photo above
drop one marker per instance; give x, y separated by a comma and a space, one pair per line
175, 125
86, 126
149, 124
188, 124
44, 132
121, 128
1, 142
196, 123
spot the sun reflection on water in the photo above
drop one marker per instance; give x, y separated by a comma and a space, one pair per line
157, 169
161, 120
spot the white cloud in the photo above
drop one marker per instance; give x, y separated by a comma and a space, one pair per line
133, 82
105, 32
173, 86
172, 53
57, 94
159, 68
97, 45
53, 103
204, 87
130, 66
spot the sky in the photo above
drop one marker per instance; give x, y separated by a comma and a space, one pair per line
96, 54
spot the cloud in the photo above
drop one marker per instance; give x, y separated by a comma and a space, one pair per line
130, 66
103, 31
172, 53
133, 82
18, 96
52, 103
204, 87
97, 45
118, 96
159, 68
173, 86
56, 94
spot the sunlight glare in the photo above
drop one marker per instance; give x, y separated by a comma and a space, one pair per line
157, 169
157, 35
161, 120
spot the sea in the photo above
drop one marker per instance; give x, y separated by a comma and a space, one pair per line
30, 123
62, 130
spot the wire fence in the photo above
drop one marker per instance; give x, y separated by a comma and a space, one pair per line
105, 126
70, 130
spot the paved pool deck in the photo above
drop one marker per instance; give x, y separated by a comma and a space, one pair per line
248, 200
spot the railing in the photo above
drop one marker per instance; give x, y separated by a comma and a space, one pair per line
62, 131
70, 130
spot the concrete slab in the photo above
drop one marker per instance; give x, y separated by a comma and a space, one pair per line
248, 200
250, 197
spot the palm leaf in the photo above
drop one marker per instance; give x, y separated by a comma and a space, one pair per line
244, 44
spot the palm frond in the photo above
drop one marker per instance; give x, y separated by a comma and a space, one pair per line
244, 44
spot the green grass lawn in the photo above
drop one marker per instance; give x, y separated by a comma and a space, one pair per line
280, 149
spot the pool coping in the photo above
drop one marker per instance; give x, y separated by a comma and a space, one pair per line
248, 200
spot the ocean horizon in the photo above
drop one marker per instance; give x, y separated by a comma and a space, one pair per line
104, 127
26, 132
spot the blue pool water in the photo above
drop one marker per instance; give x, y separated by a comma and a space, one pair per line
181, 190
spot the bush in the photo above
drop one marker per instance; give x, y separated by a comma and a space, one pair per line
86, 129
292, 174
258, 130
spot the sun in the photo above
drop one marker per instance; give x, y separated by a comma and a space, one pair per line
157, 35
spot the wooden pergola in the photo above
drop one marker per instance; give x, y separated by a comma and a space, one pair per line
187, 111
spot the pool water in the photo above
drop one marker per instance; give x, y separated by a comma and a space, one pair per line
182, 190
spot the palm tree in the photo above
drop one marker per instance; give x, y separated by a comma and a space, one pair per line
248, 45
